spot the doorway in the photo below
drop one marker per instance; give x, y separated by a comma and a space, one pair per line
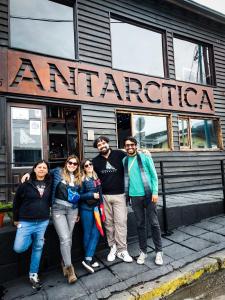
63, 133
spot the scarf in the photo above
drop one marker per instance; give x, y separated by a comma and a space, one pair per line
144, 179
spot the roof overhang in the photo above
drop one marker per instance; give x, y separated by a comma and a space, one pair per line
200, 9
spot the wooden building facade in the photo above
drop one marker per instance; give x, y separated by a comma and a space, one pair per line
73, 70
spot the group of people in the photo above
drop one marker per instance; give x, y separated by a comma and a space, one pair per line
96, 192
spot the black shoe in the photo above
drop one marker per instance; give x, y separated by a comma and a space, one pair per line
36, 284
87, 264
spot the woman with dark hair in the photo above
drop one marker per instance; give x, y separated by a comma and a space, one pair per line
31, 208
65, 197
91, 213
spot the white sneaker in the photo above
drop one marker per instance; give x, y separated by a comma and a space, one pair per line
112, 254
125, 256
141, 258
34, 280
159, 258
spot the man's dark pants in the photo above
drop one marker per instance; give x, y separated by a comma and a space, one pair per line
146, 208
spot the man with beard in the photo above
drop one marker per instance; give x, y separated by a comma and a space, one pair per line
109, 167
141, 186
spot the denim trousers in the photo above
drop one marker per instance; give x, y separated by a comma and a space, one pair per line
31, 232
90, 232
64, 219
149, 211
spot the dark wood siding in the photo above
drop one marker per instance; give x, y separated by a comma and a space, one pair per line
94, 36
102, 120
3, 159
94, 47
4, 36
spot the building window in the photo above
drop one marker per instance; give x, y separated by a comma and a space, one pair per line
196, 133
42, 26
192, 62
26, 134
151, 131
136, 49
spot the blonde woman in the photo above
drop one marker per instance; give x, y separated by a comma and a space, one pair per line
66, 188
91, 213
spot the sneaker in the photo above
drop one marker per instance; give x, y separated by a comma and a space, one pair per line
125, 256
34, 280
141, 258
159, 258
88, 265
95, 264
112, 254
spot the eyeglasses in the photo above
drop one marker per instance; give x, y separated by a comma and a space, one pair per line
130, 145
88, 165
72, 163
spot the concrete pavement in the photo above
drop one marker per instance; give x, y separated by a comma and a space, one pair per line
189, 252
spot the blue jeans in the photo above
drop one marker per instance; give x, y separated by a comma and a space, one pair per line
90, 232
31, 232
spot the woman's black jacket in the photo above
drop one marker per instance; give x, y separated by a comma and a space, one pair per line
28, 205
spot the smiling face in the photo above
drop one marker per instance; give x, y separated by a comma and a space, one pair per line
41, 170
71, 164
103, 147
130, 148
88, 167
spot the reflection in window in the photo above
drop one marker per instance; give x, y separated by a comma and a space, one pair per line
184, 133
26, 132
42, 26
136, 49
150, 131
203, 133
192, 62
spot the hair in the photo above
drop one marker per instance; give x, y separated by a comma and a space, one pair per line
130, 138
100, 139
84, 174
33, 174
77, 173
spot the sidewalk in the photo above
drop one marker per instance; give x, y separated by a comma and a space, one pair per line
189, 252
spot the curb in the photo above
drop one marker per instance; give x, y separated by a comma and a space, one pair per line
168, 284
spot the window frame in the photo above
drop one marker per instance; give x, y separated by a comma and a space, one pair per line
218, 133
163, 33
169, 125
69, 3
211, 59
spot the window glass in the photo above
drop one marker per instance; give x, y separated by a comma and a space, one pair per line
42, 26
150, 131
191, 62
136, 49
203, 134
26, 132
183, 133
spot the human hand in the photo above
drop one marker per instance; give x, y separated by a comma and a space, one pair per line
16, 223
25, 177
145, 151
77, 219
155, 198
96, 195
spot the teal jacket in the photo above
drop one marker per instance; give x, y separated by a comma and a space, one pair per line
136, 187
